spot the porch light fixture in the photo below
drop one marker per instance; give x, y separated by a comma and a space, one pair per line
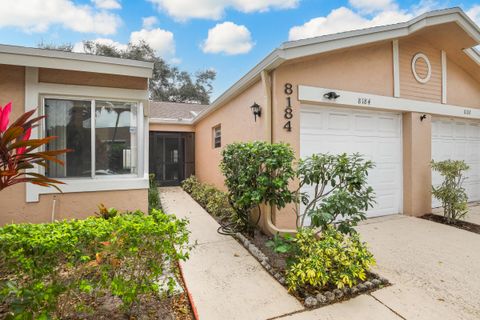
423, 117
332, 95
256, 110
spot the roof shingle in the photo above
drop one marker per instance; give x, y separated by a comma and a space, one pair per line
175, 110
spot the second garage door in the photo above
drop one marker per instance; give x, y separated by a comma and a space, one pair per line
458, 139
377, 135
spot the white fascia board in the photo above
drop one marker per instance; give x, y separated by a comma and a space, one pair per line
315, 95
473, 54
171, 121
31, 57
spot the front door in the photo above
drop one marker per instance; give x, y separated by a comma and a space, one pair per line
168, 152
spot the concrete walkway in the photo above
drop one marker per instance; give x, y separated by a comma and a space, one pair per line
225, 281
434, 269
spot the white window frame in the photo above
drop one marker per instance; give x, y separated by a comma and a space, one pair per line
92, 133
214, 134
36, 92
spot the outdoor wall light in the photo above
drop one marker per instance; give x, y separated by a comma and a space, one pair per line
331, 95
423, 117
257, 110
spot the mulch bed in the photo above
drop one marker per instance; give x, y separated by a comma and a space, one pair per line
464, 225
108, 307
311, 297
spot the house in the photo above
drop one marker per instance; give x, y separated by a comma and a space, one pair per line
98, 107
400, 95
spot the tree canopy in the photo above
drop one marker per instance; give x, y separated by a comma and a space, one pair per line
168, 82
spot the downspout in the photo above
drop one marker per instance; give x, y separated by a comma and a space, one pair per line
268, 105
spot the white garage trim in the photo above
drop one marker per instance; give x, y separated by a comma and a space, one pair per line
375, 134
308, 94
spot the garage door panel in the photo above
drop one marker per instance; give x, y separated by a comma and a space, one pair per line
457, 140
375, 135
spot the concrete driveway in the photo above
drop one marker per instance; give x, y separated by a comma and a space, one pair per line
435, 271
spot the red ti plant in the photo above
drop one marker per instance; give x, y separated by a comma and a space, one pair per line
18, 152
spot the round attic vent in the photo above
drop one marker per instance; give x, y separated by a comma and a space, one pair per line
421, 68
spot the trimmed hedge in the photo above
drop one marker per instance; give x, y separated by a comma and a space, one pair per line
210, 198
53, 270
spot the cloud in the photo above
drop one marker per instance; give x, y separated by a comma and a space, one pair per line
214, 9
149, 22
107, 4
228, 38
39, 15
162, 41
344, 19
369, 6
474, 14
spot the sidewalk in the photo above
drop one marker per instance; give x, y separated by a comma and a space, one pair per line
225, 281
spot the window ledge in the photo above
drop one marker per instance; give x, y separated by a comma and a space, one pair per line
33, 192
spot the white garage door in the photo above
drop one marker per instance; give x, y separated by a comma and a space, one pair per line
457, 139
377, 135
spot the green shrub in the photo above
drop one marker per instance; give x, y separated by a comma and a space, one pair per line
153, 196
341, 193
190, 183
257, 173
54, 269
334, 259
211, 199
451, 192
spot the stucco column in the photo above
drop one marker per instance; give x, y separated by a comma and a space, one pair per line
417, 174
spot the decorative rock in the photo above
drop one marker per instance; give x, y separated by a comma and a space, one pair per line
362, 287
354, 290
383, 280
376, 282
321, 298
310, 302
282, 281
346, 290
369, 285
338, 293
329, 295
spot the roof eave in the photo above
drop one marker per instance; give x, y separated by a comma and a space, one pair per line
42, 58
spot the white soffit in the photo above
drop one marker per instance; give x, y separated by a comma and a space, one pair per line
42, 58
306, 47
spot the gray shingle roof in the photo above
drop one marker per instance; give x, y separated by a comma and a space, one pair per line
175, 110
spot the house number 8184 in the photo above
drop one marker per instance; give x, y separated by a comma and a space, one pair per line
288, 115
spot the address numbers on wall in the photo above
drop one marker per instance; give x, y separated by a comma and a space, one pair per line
288, 112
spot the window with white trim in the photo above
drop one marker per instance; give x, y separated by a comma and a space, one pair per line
101, 134
217, 136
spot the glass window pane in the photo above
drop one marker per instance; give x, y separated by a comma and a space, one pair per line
70, 122
115, 138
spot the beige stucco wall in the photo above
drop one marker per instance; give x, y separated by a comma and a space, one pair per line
171, 127
462, 89
417, 174
237, 123
13, 207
